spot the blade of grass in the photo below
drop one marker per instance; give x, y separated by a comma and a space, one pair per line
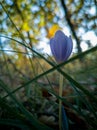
65, 125
23, 37
45, 75
13, 51
66, 76
28, 115
88, 120
84, 100
78, 86
20, 34
13, 122
80, 55
6, 63
13, 110
59, 65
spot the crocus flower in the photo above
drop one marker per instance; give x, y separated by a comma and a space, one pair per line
61, 46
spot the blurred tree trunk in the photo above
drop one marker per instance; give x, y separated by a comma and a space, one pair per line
67, 15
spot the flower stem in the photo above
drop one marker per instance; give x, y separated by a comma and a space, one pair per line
60, 101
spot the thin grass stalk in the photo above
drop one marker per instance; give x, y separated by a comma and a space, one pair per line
60, 101
20, 34
50, 63
6, 63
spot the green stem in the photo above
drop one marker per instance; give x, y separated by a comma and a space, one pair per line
60, 101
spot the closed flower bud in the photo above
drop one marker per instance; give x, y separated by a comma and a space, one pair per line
61, 46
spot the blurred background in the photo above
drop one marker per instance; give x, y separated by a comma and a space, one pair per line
34, 22
27, 25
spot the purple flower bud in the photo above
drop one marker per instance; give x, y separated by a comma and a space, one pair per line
61, 46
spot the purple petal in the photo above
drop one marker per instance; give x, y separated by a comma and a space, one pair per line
61, 46
60, 41
69, 48
52, 45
